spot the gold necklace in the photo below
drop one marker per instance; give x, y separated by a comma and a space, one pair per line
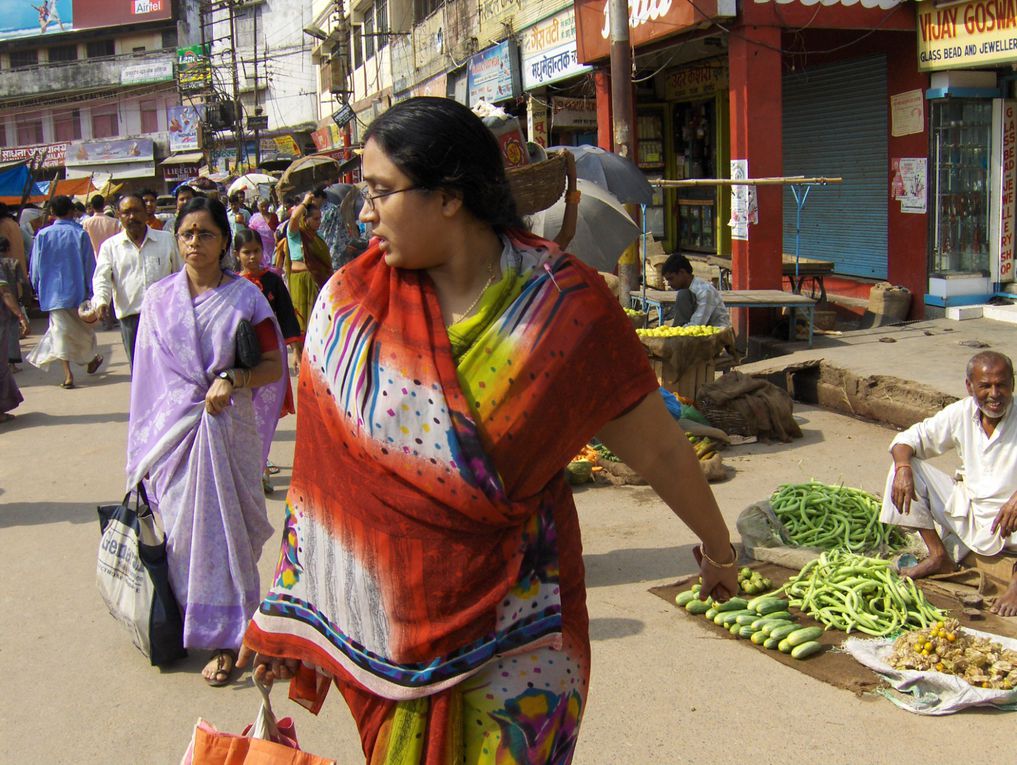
458, 317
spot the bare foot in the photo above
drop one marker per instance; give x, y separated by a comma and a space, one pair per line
1006, 604
929, 566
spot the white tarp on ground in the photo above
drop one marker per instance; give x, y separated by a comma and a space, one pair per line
930, 693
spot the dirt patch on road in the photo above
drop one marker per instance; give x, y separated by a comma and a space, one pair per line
882, 398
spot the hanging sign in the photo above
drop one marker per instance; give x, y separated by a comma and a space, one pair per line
744, 204
574, 112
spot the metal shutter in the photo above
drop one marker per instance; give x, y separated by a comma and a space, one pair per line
835, 126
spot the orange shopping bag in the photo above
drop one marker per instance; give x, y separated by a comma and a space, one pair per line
265, 742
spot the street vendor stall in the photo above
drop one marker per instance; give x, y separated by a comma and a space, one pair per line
685, 362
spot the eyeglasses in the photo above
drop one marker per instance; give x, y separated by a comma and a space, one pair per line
203, 237
369, 197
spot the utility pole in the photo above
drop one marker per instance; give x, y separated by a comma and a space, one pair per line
238, 113
621, 80
257, 109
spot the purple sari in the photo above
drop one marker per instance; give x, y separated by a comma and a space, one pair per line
204, 471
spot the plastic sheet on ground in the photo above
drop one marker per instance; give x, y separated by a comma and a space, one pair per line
929, 693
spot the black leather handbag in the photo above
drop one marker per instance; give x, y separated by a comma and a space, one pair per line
248, 353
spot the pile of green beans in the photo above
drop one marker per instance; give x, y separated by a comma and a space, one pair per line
829, 517
851, 592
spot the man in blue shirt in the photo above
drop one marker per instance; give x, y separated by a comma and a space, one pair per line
62, 266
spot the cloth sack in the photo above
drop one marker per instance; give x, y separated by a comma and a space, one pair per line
930, 693
133, 578
266, 741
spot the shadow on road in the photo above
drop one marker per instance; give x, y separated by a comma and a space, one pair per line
638, 564
611, 629
38, 513
42, 419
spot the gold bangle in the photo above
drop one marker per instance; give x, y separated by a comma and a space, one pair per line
712, 562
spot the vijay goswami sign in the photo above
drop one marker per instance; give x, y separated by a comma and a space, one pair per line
979, 33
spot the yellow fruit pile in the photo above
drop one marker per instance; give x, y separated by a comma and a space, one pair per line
690, 331
633, 312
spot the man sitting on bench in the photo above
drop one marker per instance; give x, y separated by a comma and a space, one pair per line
697, 303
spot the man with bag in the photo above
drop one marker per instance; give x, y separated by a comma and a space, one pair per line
128, 264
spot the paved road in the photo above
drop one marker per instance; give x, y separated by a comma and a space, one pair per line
664, 689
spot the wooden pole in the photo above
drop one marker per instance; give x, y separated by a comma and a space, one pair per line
782, 181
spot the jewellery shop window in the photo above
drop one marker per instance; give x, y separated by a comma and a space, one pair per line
696, 157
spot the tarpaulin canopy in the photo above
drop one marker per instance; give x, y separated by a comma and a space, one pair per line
13, 179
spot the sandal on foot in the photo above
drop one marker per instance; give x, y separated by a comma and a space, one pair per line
67, 384
5, 417
266, 485
94, 364
225, 666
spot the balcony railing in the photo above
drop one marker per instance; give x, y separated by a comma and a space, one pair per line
60, 77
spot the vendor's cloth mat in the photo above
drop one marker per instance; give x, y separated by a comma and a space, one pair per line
833, 667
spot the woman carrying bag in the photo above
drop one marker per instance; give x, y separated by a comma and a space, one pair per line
200, 430
431, 563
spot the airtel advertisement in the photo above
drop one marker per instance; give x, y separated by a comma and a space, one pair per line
38, 18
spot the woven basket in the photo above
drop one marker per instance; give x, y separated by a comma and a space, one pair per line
729, 420
538, 185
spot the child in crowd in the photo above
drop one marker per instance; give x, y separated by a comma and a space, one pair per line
248, 250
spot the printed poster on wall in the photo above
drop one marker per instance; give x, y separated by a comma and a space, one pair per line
183, 122
907, 113
744, 204
910, 183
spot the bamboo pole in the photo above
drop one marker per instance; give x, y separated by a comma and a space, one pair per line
781, 181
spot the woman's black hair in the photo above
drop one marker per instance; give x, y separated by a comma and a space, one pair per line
440, 144
216, 210
246, 236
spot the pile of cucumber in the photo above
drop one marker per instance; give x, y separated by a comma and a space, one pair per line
764, 620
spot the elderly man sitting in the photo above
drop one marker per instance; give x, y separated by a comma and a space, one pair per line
976, 510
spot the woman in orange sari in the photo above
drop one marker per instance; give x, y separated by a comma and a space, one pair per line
431, 564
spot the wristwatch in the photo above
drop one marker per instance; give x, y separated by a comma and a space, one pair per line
227, 375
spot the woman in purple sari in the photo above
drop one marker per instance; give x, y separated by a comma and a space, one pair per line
200, 431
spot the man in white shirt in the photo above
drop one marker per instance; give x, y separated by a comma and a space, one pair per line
128, 264
976, 510
697, 302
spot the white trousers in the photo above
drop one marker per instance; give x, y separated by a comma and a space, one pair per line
944, 507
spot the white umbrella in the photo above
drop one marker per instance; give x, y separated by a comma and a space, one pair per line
250, 182
603, 229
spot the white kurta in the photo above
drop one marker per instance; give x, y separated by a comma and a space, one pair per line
984, 483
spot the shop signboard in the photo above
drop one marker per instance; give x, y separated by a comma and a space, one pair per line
182, 172
493, 74
649, 20
343, 116
548, 50
966, 35
184, 127
574, 113
285, 147
54, 153
109, 152
537, 127
160, 70
1003, 175
693, 82
36, 18
194, 70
